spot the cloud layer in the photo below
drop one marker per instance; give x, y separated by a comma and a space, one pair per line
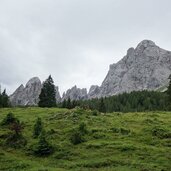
73, 40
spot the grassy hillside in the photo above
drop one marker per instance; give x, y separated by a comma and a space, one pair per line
116, 141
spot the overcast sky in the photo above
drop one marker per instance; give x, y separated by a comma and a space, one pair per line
75, 40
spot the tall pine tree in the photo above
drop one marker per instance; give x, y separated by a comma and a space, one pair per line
47, 97
5, 99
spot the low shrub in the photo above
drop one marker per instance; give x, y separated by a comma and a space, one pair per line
83, 128
42, 148
76, 138
9, 119
161, 133
15, 141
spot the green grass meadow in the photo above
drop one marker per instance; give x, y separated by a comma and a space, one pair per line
114, 142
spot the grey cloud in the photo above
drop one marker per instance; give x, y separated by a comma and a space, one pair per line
74, 40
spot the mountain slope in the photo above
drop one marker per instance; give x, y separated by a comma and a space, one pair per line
145, 67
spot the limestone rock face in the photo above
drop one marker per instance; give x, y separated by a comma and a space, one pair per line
29, 95
17, 97
145, 67
75, 94
93, 92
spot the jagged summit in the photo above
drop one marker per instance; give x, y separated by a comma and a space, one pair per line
146, 43
75, 93
34, 80
29, 95
93, 92
145, 67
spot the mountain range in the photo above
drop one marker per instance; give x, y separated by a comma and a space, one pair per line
146, 67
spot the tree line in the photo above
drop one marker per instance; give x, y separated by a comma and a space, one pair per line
136, 101
126, 102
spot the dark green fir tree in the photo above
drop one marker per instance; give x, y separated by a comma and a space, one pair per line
4, 99
47, 97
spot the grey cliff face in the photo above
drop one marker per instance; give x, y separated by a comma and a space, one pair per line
93, 92
145, 67
17, 97
75, 94
29, 95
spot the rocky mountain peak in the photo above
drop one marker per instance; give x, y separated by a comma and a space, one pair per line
94, 91
29, 95
145, 67
75, 94
20, 88
146, 43
32, 81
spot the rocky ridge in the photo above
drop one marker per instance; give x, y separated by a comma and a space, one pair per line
29, 95
147, 67
75, 94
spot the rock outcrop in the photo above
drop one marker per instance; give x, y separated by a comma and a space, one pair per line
94, 92
75, 94
29, 95
145, 67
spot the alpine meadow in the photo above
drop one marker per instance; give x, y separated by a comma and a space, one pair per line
62, 108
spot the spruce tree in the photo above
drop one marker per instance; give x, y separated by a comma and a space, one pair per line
5, 99
42, 148
47, 97
9, 119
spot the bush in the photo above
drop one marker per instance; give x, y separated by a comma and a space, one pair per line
15, 138
42, 148
9, 119
161, 133
124, 131
76, 138
95, 112
83, 128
